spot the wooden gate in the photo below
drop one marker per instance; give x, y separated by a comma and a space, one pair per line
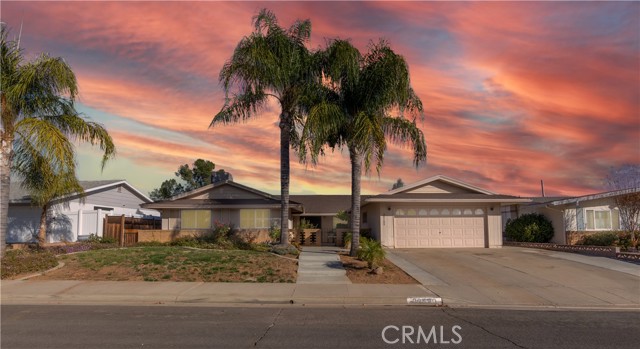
125, 229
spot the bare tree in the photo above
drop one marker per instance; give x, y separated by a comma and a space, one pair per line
627, 178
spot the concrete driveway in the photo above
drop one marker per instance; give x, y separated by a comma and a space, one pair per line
513, 276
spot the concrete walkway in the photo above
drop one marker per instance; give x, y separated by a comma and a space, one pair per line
321, 265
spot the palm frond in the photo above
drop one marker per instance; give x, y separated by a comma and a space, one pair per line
39, 137
402, 131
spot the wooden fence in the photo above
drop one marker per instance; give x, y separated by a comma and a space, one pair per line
124, 230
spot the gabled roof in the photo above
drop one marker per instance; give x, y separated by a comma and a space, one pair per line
463, 193
19, 195
603, 195
186, 200
442, 178
206, 188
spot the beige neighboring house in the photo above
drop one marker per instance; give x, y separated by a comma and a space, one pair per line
251, 211
438, 212
573, 217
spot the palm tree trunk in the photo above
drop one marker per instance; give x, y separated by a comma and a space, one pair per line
285, 134
42, 232
6, 155
354, 223
5, 183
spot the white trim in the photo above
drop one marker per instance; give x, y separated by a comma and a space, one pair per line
441, 178
446, 201
114, 184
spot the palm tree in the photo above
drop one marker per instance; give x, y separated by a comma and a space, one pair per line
361, 94
39, 121
270, 63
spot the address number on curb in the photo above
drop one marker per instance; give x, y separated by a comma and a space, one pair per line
424, 300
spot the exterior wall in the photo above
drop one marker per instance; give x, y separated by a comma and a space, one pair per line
493, 227
23, 224
256, 236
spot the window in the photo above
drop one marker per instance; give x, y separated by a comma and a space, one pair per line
399, 212
339, 223
434, 212
196, 219
478, 212
445, 212
365, 219
467, 212
598, 219
411, 212
456, 212
422, 212
255, 218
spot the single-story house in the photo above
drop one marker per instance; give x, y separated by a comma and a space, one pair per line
252, 211
436, 212
74, 217
573, 217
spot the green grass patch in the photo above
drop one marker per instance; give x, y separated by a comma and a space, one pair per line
158, 263
26, 261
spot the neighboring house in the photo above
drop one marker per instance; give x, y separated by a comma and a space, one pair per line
74, 217
437, 212
573, 217
249, 210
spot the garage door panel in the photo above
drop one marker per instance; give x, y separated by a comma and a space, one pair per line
412, 232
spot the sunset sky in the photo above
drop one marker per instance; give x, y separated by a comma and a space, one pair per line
514, 92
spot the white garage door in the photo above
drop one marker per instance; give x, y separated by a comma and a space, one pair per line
422, 232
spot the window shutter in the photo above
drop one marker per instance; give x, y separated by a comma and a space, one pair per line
580, 219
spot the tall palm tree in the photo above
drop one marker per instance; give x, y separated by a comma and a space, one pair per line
39, 121
365, 102
270, 63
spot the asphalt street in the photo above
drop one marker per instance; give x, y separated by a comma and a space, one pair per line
84, 326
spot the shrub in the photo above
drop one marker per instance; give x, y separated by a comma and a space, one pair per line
274, 233
371, 251
95, 239
27, 261
532, 227
607, 238
599, 239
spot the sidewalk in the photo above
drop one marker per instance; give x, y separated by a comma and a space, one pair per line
321, 265
182, 293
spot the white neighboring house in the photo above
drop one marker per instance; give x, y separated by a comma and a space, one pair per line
74, 217
573, 217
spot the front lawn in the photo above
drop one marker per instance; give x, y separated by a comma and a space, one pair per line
172, 263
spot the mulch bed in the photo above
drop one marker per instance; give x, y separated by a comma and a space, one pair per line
359, 273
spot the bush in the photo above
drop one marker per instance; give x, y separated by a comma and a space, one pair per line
95, 239
532, 227
274, 234
27, 261
607, 238
371, 251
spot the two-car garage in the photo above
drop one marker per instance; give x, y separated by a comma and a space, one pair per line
438, 212
440, 231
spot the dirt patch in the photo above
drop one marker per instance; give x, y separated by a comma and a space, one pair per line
359, 273
175, 264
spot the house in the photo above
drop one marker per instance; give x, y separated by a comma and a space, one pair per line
436, 212
573, 217
74, 217
251, 211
